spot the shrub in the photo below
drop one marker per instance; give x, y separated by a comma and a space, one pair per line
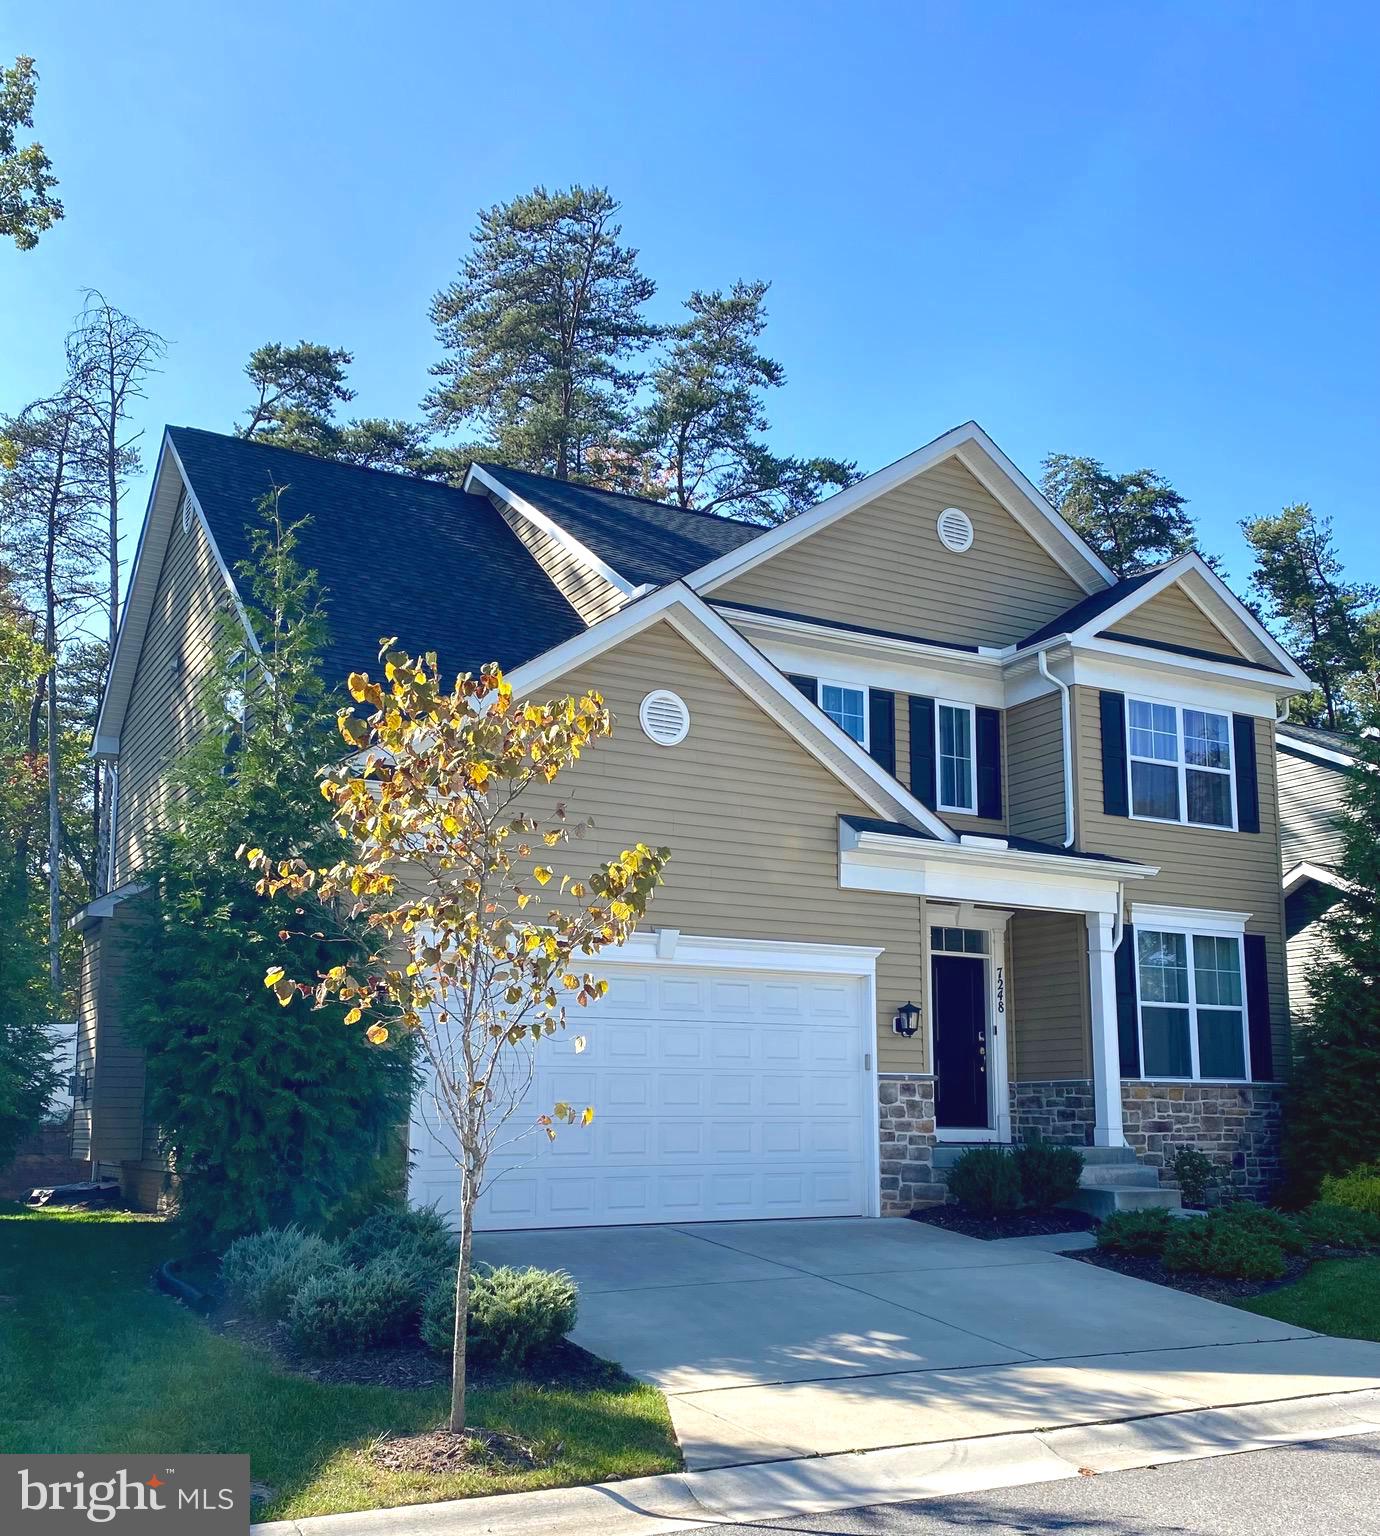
987, 1181
1358, 1190
264, 1272
1261, 1221
1225, 1248
514, 1314
351, 1309
1143, 1233
1195, 1173
1338, 1226
1049, 1174
394, 1228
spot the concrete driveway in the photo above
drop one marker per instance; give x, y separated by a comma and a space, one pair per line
803, 1338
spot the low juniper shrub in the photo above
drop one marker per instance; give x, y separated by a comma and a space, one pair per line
1338, 1226
515, 1315
356, 1308
1141, 1233
263, 1273
1048, 1173
1230, 1250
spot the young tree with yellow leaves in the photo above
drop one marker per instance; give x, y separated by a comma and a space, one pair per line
447, 865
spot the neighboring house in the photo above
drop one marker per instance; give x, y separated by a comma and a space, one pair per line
970, 840
1313, 768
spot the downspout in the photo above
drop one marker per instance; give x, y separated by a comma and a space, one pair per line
1067, 730
1288, 701
1119, 925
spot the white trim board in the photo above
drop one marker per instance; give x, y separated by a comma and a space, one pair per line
981, 457
719, 643
1291, 743
1304, 871
1204, 920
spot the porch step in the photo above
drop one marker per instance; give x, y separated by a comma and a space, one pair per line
947, 1153
1100, 1200
1118, 1176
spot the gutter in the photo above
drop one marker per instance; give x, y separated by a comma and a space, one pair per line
1066, 716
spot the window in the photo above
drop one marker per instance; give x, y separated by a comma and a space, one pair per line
1180, 764
1192, 1004
846, 706
956, 791
959, 941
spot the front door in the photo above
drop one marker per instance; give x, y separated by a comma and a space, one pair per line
960, 1041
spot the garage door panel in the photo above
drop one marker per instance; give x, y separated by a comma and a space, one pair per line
717, 1096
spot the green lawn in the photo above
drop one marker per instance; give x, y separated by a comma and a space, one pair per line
97, 1360
1340, 1296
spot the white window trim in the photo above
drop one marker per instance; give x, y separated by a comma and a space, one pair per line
1215, 925
821, 683
971, 809
1182, 765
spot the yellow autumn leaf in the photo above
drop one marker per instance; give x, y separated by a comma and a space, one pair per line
587, 1117
621, 910
376, 1034
354, 1016
273, 976
541, 874
254, 854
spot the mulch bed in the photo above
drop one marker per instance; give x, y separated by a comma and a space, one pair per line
1211, 1287
413, 1367
1024, 1224
438, 1451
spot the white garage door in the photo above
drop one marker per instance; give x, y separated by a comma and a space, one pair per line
718, 1096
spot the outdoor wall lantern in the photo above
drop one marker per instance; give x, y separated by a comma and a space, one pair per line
907, 1020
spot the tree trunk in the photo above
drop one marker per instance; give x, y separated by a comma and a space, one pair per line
462, 1307
54, 845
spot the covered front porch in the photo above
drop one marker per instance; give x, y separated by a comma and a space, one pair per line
1017, 1028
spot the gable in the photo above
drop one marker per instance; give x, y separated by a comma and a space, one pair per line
884, 564
1171, 617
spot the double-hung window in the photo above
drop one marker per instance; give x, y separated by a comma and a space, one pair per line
846, 706
957, 791
1181, 767
1192, 1004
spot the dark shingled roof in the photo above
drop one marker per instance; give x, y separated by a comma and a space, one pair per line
1016, 844
645, 541
852, 629
1316, 736
396, 555
1089, 608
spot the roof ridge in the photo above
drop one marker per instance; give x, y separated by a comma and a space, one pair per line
648, 501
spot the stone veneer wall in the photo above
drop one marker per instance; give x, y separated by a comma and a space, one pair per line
1236, 1124
909, 1178
1060, 1110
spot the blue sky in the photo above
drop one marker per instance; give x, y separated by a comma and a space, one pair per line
1146, 232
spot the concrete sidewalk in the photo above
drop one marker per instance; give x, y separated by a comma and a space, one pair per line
780, 1340
655, 1506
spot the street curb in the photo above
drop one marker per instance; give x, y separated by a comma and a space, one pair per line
683, 1501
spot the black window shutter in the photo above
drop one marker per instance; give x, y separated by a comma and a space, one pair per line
807, 685
1116, 800
924, 762
988, 734
1243, 764
881, 726
1258, 1009
1127, 1025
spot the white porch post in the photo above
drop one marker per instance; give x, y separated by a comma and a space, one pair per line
1106, 1048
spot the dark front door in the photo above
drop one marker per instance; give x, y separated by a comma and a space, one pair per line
960, 1041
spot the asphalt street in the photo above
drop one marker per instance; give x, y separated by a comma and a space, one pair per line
1321, 1488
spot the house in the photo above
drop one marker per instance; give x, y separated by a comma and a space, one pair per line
1313, 769
971, 840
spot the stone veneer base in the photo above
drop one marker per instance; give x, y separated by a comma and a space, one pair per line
1061, 1110
907, 1139
1236, 1124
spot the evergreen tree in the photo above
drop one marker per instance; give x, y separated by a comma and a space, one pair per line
1327, 622
1133, 521
1330, 1120
266, 1117
699, 442
539, 329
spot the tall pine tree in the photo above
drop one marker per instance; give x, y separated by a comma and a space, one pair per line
1330, 1120
267, 1117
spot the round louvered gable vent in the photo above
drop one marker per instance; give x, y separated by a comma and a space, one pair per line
955, 530
664, 717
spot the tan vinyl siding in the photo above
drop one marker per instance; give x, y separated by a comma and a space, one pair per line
883, 566
1199, 866
750, 817
165, 715
587, 592
88, 1013
1173, 618
1311, 794
988, 826
1035, 769
1049, 981
117, 1089
1306, 948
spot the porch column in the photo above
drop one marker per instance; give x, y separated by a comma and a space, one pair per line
1106, 1047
